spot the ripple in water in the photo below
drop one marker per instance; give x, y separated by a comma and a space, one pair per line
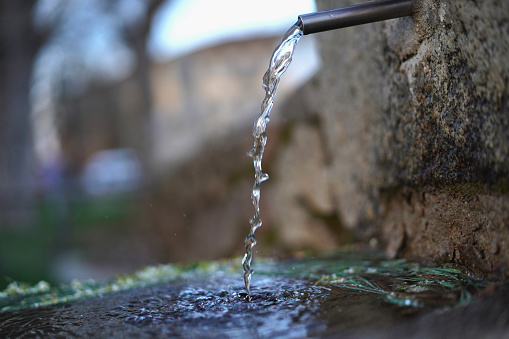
279, 63
344, 297
199, 309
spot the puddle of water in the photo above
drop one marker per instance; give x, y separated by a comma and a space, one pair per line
291, 299
193, 309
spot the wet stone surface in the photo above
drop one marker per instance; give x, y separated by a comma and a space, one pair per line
292, 299
191, 309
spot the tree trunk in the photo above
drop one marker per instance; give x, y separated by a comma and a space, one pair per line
18, 45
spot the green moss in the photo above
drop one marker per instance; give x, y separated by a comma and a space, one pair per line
395, 281
502, 186
466, 190
20, 295
15, 289
389, 192
469, 190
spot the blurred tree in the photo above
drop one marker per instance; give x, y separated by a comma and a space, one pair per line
19, 43
76, 37
80, 92
55, 55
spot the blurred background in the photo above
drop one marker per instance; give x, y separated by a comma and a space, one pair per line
124, 126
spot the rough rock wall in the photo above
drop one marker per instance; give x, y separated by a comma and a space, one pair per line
403, 136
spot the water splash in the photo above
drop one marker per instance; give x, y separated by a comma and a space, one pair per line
279, 62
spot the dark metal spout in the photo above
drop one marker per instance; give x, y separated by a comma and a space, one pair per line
354, 15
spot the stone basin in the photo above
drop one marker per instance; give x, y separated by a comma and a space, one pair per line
336, 296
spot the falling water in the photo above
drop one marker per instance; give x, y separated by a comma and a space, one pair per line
279, 62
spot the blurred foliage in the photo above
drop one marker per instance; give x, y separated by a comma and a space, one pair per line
28, 256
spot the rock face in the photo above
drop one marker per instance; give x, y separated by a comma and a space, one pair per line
404, 135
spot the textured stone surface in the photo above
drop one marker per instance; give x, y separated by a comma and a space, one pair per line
413, 119
466, 225
402, 139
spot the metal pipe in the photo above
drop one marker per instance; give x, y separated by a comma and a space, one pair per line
354, 15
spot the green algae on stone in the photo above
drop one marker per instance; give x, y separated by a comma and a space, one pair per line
396, 282
16, 288
20, 295
408, 284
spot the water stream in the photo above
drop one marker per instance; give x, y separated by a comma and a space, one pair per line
279, 63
